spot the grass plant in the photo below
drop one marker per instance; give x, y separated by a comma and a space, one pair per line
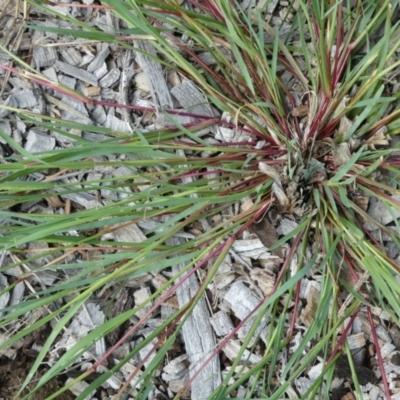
316, 101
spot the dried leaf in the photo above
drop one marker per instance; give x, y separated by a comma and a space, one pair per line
266, 232
268, 170
264, 279
344, 126
308, 313
341, 154
379, 138
300, 111
278, 191
55, 202
362, 202
246, 205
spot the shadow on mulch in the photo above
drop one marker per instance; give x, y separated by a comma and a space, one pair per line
13, 374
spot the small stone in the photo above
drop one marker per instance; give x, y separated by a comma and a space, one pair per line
142, 83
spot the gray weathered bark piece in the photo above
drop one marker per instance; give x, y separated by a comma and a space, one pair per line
83, 199
154, 73
198, 335
191, 99
242, 301
124, 83
381, 212
117, 124
35, 142
44, 56
25, 99
11, 102
77, 73
102, 54
71, 56
110, 78
221, 323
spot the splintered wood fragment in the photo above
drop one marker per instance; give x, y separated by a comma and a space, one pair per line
264, 279
36, 142
100, 72
271, 6
102, 53
72, 110
315, 371
242, 246
41, 107
117, 124
232, 348
223, 280
221, 323
279, 193
230, 135
44, 56
242, 301
382, 333
266, 232
162, 120
140, 297
382, 212
209, 59
6, 296
11, 102
110, 78
286, 226
77, 73
197, 332
128, 233
356, 341
177, 365
176, 373
282, 33
91, 91
74, 106
72, 56
191, 99
79, 388
125, 83
85, 200
156, 78
387, 349
5, 127
99, 115
25, 99
17, 294
86, 321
